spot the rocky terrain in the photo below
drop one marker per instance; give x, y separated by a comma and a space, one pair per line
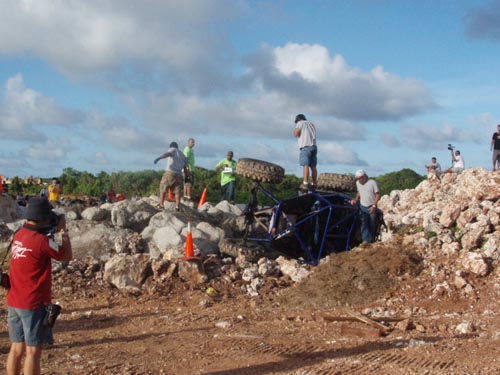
424, 300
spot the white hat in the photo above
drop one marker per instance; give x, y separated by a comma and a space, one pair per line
360, 173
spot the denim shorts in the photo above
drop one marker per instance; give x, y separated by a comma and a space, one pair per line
26, 325
308, 156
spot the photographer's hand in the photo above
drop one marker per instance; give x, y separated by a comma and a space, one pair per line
61, 225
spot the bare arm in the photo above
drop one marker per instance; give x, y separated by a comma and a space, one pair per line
163, 156
66, 243
296, 132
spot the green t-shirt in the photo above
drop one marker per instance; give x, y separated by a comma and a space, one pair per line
227, 172
188, 151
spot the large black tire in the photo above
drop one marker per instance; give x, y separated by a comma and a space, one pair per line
232, 247
258, 170
336, 182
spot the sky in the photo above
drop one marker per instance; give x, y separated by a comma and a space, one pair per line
106, 85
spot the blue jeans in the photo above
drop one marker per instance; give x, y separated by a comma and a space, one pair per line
224, 189
368, 223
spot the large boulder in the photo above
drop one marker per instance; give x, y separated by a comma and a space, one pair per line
133, 215
128, 272
97, 240
9, 209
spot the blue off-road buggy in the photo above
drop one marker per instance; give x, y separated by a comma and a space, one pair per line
307, 226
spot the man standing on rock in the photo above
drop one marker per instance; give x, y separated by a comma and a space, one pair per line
305, 131
495, 147
368, 196
172, 178
30, 274
189, 180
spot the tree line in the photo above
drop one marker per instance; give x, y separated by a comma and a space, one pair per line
146, 183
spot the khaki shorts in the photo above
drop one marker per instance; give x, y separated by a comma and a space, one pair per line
171, 180
496, 155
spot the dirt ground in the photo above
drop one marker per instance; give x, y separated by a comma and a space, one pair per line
306, 328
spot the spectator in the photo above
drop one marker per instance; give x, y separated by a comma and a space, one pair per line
44, 192
103, 197
368, 196
111, 195
434, 167
227, 177
31, 278
55, 190
305, 131
172, 177
189, 179
457, 163
495, 147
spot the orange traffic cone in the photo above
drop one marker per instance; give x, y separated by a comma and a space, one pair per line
203, 198
189, 243
170, 196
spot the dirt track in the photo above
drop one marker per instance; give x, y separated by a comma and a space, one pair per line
172, 328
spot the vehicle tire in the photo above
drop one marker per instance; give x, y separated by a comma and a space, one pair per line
258, 170
336, 182
234, 247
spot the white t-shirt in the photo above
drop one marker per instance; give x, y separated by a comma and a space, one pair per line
307, 133
367, 192
459, 163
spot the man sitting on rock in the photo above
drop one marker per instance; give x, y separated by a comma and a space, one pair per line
433, 169
457, 162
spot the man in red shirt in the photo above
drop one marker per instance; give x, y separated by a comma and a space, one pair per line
30, 273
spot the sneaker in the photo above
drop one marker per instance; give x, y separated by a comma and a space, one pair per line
178, 209
312, 186
304, 187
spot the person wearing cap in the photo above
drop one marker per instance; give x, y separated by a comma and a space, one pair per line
368, 196
495, 148
305, 131
189, 180
172, 177
30, 271
227, 177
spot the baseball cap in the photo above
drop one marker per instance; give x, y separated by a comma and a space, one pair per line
360, 173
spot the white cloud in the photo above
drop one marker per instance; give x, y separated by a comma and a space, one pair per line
390, 140
180, 40
336, 153
431, 137
24, 112
50, 150
307, 74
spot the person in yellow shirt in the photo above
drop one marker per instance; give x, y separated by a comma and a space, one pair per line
55, 190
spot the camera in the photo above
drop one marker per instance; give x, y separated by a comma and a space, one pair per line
451, 147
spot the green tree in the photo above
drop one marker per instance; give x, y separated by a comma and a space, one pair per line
403, 179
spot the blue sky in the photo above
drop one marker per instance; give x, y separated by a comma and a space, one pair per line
106, 85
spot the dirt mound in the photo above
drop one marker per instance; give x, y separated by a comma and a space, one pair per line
353, 278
